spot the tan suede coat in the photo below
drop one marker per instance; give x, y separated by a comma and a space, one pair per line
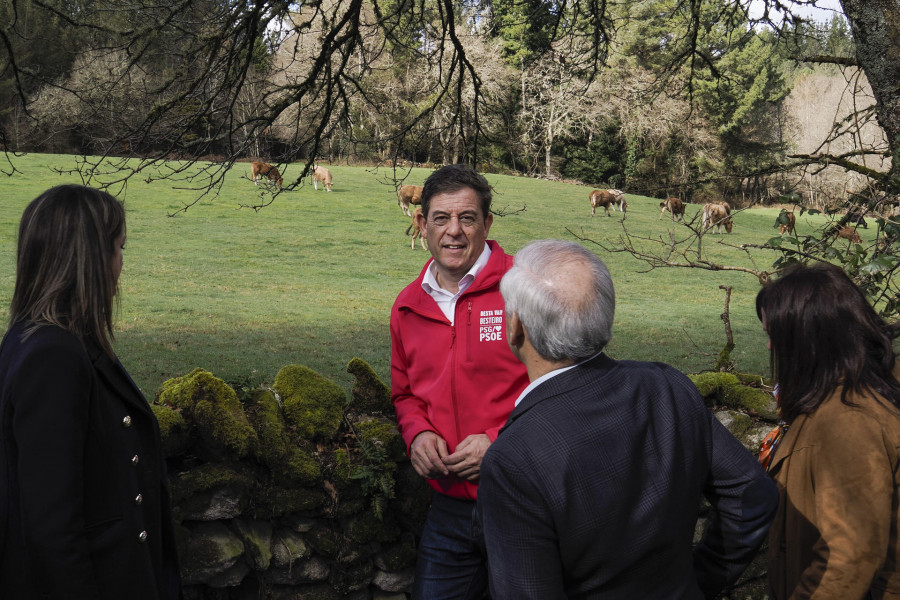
835, 533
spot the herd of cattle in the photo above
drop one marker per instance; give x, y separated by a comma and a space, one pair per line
264, 170
714, 214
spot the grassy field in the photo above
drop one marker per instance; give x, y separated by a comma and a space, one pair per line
311, 278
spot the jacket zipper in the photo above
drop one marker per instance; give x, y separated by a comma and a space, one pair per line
469, 333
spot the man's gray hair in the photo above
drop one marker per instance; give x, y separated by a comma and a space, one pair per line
566, 316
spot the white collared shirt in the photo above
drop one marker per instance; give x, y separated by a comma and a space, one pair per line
551, 375
447, 300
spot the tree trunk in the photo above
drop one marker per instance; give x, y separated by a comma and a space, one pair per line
876, 32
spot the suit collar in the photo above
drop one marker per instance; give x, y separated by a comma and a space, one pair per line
573, 378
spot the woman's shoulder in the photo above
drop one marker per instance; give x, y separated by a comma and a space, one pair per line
866, 415
26, 341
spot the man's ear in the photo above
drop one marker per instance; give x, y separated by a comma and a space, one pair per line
515, 331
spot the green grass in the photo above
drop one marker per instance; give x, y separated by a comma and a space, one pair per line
311, 278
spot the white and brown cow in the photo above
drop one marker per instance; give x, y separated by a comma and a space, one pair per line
674, 206
416, 232
603, 198
321, 174
620, 199
717, 214
409, 194
261, 169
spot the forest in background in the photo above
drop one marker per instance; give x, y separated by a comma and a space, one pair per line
717, 130
689, 98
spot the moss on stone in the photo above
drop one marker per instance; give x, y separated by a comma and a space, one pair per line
341, 472
270, 502
740, 425
369, 395
753, 400
209, 549
710, 384
725, 389
213, 409
398, 556
313, 405
367, 527
208, 476
289, 463
173, 430
326, 541
257, 538
383, 433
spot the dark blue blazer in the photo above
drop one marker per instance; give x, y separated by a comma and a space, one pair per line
593, 488
84, 506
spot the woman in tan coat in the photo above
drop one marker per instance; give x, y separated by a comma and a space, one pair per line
837, 466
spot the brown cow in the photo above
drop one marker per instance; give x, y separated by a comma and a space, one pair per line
673, 205
261, 169
790, 226
416, 232
603, 198
409, 194
717, 214
321, 174
849, 233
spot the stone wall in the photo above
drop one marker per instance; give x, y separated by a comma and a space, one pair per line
299, 492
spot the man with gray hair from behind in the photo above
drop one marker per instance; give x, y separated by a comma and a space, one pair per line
593, 487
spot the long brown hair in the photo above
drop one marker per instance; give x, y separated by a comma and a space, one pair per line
824, 334
64, 267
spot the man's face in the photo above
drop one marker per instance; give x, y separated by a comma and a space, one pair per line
455, 231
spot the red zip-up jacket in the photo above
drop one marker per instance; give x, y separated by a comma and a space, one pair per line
455, 380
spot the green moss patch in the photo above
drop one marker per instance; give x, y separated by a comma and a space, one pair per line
313, 405
289, 463
211, 406
173, 429
726, 389
369, 395
383, 433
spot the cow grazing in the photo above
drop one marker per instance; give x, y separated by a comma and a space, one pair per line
603, 198
261, 169
849, 233
620, 199
787, 222
717, 214
321, 174
674, 206
409, 194
416, 232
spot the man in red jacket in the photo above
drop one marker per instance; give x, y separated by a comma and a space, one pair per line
453, 378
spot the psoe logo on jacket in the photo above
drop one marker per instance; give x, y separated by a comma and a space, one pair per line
490, 326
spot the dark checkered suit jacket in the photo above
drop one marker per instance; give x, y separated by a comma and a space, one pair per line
592, 490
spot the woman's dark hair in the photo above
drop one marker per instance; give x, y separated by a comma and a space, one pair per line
824, 334
64, 267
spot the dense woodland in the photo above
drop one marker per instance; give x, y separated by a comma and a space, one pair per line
700, 99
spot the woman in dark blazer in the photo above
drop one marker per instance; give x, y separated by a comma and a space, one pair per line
837, 465
84, 506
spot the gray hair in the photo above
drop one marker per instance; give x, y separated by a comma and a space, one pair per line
564, 296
